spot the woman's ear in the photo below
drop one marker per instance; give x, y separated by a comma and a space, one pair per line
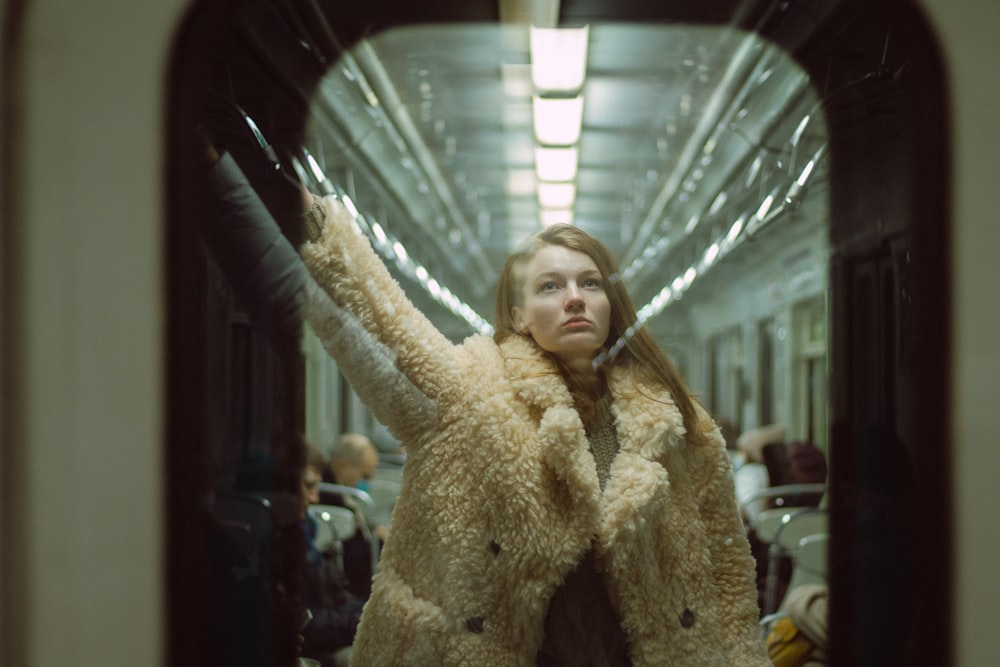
517, 315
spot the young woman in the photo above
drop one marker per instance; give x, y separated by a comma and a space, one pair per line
565, 500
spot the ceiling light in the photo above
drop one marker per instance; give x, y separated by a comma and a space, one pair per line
720, 201
557, 120
710, 255
765, 206
349, 205
556, 164
799, 130
735, 230
556, 195
559, 58
394, 250
806, 172
555, 216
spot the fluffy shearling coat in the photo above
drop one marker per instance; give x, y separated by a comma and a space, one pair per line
501, 499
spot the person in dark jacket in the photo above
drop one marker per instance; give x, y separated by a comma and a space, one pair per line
334, 611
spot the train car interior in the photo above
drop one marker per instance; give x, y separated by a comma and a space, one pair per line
774, 177
717, 150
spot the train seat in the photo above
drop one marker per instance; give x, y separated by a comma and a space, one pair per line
790, 529
334, 524
366, 508
810, 560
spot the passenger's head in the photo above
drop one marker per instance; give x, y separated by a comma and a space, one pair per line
558, 270
624, 343
353, 459
313, 463
752, 442
316, 464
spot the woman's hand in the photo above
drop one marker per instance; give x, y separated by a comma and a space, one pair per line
313, 216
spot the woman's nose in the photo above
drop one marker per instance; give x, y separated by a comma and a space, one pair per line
573, 297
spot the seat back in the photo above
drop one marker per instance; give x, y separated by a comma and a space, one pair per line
799, 525
334, 524
810, 561
362, 498
790, 529
367, 508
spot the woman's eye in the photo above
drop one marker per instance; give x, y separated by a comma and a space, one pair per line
591, 282
549, 285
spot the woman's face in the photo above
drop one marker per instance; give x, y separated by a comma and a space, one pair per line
564, 305
310, 489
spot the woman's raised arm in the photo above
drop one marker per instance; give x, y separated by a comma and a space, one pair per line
269, 276
344, 264
369, 366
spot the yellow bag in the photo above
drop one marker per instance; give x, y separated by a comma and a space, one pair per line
787, 645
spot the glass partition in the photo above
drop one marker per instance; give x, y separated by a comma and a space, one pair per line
740, 159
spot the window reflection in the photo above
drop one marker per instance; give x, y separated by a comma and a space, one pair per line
703, 159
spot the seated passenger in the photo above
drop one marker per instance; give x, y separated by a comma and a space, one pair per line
750, 471
353, 460
770, 462
352, 463
335, 610
801, 639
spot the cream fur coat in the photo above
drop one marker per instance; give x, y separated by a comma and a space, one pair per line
500, 494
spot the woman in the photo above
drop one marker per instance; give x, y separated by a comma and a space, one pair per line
561, 505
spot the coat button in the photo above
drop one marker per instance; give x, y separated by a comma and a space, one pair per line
475, 624
495, 547
687, 618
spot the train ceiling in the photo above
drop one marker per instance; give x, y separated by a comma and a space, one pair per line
693, 138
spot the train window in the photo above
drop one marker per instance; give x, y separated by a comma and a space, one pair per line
324, 390
766, 341
809, 377
727, 381
749, 163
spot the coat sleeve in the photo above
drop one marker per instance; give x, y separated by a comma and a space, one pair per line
269, 276
369, 366
732, 564
411, 351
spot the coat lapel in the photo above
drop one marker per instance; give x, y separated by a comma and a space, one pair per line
564, 447
650, 432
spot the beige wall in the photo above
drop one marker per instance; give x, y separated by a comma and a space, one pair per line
82, 430
972, 57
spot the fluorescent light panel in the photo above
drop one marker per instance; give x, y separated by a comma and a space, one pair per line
559, 59
557, 120
553, 216
556, 164
556, 195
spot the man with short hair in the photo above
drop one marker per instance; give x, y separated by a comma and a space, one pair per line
353, 460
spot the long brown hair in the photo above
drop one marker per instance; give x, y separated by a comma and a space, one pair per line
633, 345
